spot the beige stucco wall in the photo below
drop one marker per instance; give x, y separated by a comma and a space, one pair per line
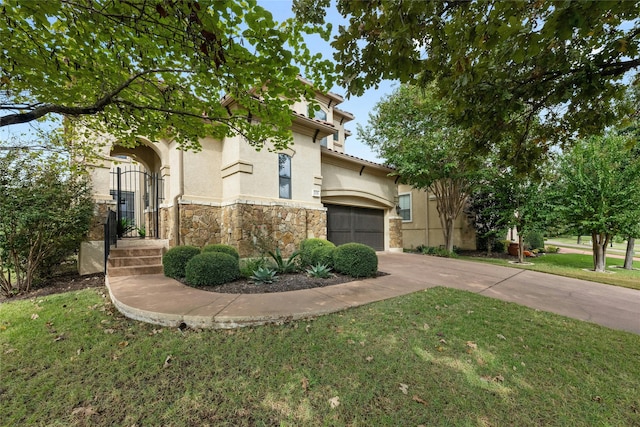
425, 228
342, 183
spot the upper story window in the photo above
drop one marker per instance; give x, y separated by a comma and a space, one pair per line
317, 114
336, 136
323, 142
404, 202
284, 173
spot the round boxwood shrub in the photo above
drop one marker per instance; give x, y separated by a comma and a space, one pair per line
227, 249
307, 247
323, 255
175, 260
355, 260
211, 268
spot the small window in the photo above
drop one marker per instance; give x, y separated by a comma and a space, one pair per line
284, 173
336, 136
317, 114
404, 203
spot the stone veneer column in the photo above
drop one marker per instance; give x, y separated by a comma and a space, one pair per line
395, 234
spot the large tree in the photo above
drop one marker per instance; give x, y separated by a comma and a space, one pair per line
157, 68
411, 131
598, 189
500, 62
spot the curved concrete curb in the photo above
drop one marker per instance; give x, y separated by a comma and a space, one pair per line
163, 301
159, 300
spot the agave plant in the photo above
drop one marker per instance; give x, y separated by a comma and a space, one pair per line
284, 266
319, 271
264, 275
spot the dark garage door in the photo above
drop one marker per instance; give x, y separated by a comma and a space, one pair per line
350, 224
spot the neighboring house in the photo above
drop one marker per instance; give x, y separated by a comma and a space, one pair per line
421, 222
253, 200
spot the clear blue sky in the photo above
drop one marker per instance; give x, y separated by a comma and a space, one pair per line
359, 106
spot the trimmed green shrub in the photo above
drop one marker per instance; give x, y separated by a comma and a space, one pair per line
306, 248
323, 255
211, 268
226, 249
439, 251
534, 239
355, 260
175, 260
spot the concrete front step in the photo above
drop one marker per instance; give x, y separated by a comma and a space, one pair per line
134, 270
134, 252
131, 261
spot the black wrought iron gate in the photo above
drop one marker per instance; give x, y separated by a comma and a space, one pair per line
138, 195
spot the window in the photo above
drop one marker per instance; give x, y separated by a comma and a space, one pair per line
323, 142
336, 136
317, 114
284, 173
404, 203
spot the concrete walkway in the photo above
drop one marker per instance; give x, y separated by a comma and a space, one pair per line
159, 300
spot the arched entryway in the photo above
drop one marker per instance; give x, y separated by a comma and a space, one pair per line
137, 187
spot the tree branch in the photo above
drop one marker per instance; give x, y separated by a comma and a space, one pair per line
99, 105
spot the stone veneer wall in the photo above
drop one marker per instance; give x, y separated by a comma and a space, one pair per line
395, 233
96, 229
252, 228
167, 224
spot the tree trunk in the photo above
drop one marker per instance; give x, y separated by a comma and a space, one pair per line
579, 239
490, 241
600, 241
448, 234
520, 247
628, 258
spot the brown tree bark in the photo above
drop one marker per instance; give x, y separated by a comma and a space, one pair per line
599, 245
628, 258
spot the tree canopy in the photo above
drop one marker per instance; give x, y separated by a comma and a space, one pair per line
157, 69
499, 62
412, 132
598, 191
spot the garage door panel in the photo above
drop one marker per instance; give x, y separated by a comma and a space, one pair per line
347, 224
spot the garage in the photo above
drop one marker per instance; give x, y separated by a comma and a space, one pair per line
347, 224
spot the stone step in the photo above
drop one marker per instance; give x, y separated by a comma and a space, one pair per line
129, 261
135, 252
134, 270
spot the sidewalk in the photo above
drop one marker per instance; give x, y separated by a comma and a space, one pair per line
574, 248
160, 300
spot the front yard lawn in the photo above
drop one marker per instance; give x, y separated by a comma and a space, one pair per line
577, 266
437, 357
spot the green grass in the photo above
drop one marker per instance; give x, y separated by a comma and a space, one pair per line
577, 266
462, 359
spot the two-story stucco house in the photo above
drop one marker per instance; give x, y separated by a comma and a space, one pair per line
230, 193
